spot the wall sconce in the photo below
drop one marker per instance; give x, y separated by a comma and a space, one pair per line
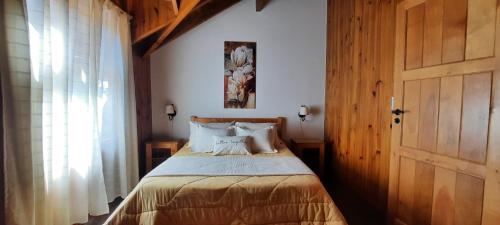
303, 112
170, 111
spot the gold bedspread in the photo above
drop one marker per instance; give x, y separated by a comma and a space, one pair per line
178, 200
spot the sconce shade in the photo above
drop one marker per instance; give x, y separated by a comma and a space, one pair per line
303, 110
169, 109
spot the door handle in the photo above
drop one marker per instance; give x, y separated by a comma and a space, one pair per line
397, 112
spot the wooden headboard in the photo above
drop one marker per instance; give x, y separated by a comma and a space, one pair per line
279, 121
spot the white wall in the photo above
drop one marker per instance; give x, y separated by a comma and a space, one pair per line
291, 55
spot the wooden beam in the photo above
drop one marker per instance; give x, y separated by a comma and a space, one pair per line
151, 17
260, 4
148, 33
203, 12
185, 9
175, 7
142, 79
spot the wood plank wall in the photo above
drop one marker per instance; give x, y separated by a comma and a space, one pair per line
2, 149
142, 78
359, 79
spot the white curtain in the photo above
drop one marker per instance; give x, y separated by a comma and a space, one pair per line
118, 123
80, 106
16, 107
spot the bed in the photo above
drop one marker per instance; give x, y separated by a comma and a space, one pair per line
286, 198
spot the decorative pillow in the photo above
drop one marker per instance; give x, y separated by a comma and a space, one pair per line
254, 126
231, 145
257, 126
262, 140
203, 141
193, 128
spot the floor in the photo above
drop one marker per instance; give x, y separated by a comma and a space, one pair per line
99, 220
354, 208
350, 205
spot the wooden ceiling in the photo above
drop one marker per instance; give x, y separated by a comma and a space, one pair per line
156, 22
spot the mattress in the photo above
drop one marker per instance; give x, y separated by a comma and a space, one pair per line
278, 199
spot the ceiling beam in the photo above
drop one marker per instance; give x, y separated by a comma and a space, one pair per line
260, 4
203, 12
148, 33
185, 9
174, 6
150, 17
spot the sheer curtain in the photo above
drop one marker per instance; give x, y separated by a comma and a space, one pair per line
15, 86
76, 109
118, 124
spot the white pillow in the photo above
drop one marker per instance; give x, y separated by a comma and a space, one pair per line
193, 128
262, 140
254, 126
257, 126
231, 145
203, 141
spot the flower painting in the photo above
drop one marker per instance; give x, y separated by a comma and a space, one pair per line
239, 74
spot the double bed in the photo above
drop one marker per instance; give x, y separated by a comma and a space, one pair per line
177, 192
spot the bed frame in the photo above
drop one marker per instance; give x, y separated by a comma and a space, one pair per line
279, 121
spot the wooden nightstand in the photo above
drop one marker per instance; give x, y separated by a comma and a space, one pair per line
300, 145
159, 151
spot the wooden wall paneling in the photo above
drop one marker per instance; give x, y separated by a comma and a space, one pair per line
491, 206
354, 118
359, 86
367, 158
142, 78
443, 207
373, 167
353, 99
454, 29
2, 148
338, 22
384, 93
411, 106
433, 33
475, 117
349, 20
468, 200
450, 112
414, 37
428, 118
394, 163
333, 26
480, 29
346, 23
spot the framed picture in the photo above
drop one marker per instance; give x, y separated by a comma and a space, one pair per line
240, 74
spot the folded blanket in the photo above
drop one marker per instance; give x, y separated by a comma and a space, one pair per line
231, 166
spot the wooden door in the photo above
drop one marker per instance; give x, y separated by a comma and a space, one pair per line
445, 151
